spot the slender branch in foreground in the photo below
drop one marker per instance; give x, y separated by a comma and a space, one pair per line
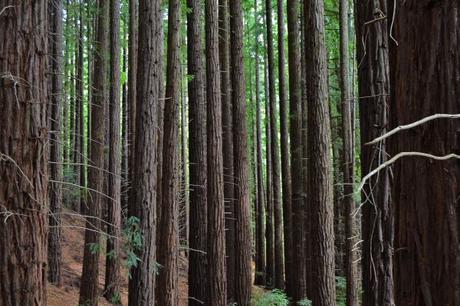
412, 125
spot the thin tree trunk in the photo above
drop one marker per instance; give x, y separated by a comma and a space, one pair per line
55, 191
269, 231
132, 86
80, 151
216, 212
285, 169
167, 286
112, 265
243, 243
377, 216
197, 275
320, 189
296, 286
143, 197
89, 289
278, 280
260, 216
348, 159
227, 145
78, 102
424, 81
23, 153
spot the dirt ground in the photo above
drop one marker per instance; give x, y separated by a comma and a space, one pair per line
72, 259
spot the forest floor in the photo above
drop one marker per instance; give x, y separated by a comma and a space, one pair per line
72, 259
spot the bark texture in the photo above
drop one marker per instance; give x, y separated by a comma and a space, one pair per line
243, 243
320, 190
23, 152
216, 212
197, 154
377, 211
296, 287
144, 192
425, 81
89, 289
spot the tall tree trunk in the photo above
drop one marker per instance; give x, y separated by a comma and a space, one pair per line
320, 190
243, 243
377, 215
285, 170
348, 159
132, 86
112, 265
80, 150
78, 102
260, 216
143, 197
89, 287
275, 159
167, 286
269, 230
227, 146
217, 290
296, 286
55, 192
197, 275
424, 81
23, 152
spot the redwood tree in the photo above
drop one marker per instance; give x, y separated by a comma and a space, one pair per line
89, 289
217, 291
377, 212
23, 152
320, 192
297, 287
197, 153
243, 243
143, 196
424, 62
55, 62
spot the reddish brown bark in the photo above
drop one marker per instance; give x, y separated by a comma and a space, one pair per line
425, 80
23, 152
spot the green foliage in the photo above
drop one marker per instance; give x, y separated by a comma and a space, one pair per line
94, 248
341, 289
304, 302
115, 299
70, 193
133, 242
275, 297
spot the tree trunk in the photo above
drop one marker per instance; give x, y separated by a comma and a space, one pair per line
424, 81
89, 289
377, 215
167, 286
320, 190
227, 146
55, 192
197, 275
296, 286
285, 170
112, 265
348, 159
269, 231
132, 86
78, 102
216, 212
143, 197
260, 216
243, 243
80, 150
23, 152
275, 160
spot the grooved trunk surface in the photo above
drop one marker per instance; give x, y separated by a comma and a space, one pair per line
89, 289
217, 290
320, 192
425, 80
296, 286
23, 152
197, 154
243, 243
144, 192
167, 286
377, 212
